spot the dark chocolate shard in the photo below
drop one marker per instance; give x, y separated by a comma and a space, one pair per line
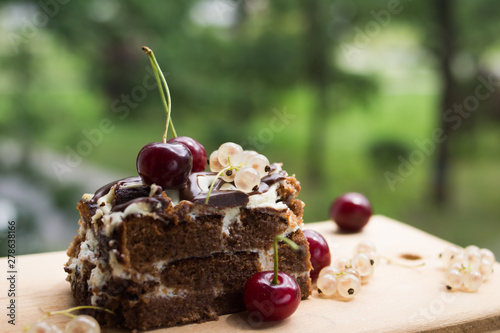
225, 198
106, 188
124, 195
272, 178
157, 204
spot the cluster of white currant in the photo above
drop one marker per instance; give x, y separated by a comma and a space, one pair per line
467, 268
346, 275
81, 323
244, 167
78, 323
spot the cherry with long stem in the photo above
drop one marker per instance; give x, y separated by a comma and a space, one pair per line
272, 295
197, 150
167, 164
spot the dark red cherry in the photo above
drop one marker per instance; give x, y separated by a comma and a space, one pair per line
319, 250
196, 149
351, 212
271, 301
165, 164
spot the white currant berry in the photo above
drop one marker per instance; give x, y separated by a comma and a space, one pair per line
453, 279
83, 323
43, 327
329, 270
214, 163
374, 258
486, 268
247, 179
473, 248
457, 258
456, 265
229, 152
227, 186
352, 271
327, 284
450, 254
485, 253
246, 155
365, 278
472, 259
348, 285
342, 263
361, 263
229, 175
473, 280
260, 163
365, 246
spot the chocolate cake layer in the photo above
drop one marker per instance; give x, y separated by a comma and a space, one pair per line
156, 260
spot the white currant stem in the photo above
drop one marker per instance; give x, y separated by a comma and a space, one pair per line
67, 312
229, 167
167, 103
213, 182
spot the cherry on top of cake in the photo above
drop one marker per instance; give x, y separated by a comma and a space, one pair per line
177, 166
174, 164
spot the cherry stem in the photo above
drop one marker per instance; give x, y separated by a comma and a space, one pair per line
290, 243
167, 103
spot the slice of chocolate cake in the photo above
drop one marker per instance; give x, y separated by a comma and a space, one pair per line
160, 258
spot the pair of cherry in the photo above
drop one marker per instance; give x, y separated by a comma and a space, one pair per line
169, 163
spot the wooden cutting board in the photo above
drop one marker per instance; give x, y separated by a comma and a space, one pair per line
397, 299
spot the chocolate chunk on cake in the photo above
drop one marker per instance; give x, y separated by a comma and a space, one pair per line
160, 257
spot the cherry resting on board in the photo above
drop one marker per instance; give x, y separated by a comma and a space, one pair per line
319, 250
351, 212
274, 295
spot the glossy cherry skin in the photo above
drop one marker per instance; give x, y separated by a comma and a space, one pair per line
351, 212
319, 250
272, 301
196, 149
165, 164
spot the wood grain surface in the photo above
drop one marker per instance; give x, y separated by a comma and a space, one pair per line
397, 299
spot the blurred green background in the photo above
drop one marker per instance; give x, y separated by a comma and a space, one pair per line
398, 100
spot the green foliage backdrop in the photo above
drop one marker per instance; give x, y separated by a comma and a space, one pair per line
355, 86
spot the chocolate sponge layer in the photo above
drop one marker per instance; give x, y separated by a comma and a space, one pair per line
178, 266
